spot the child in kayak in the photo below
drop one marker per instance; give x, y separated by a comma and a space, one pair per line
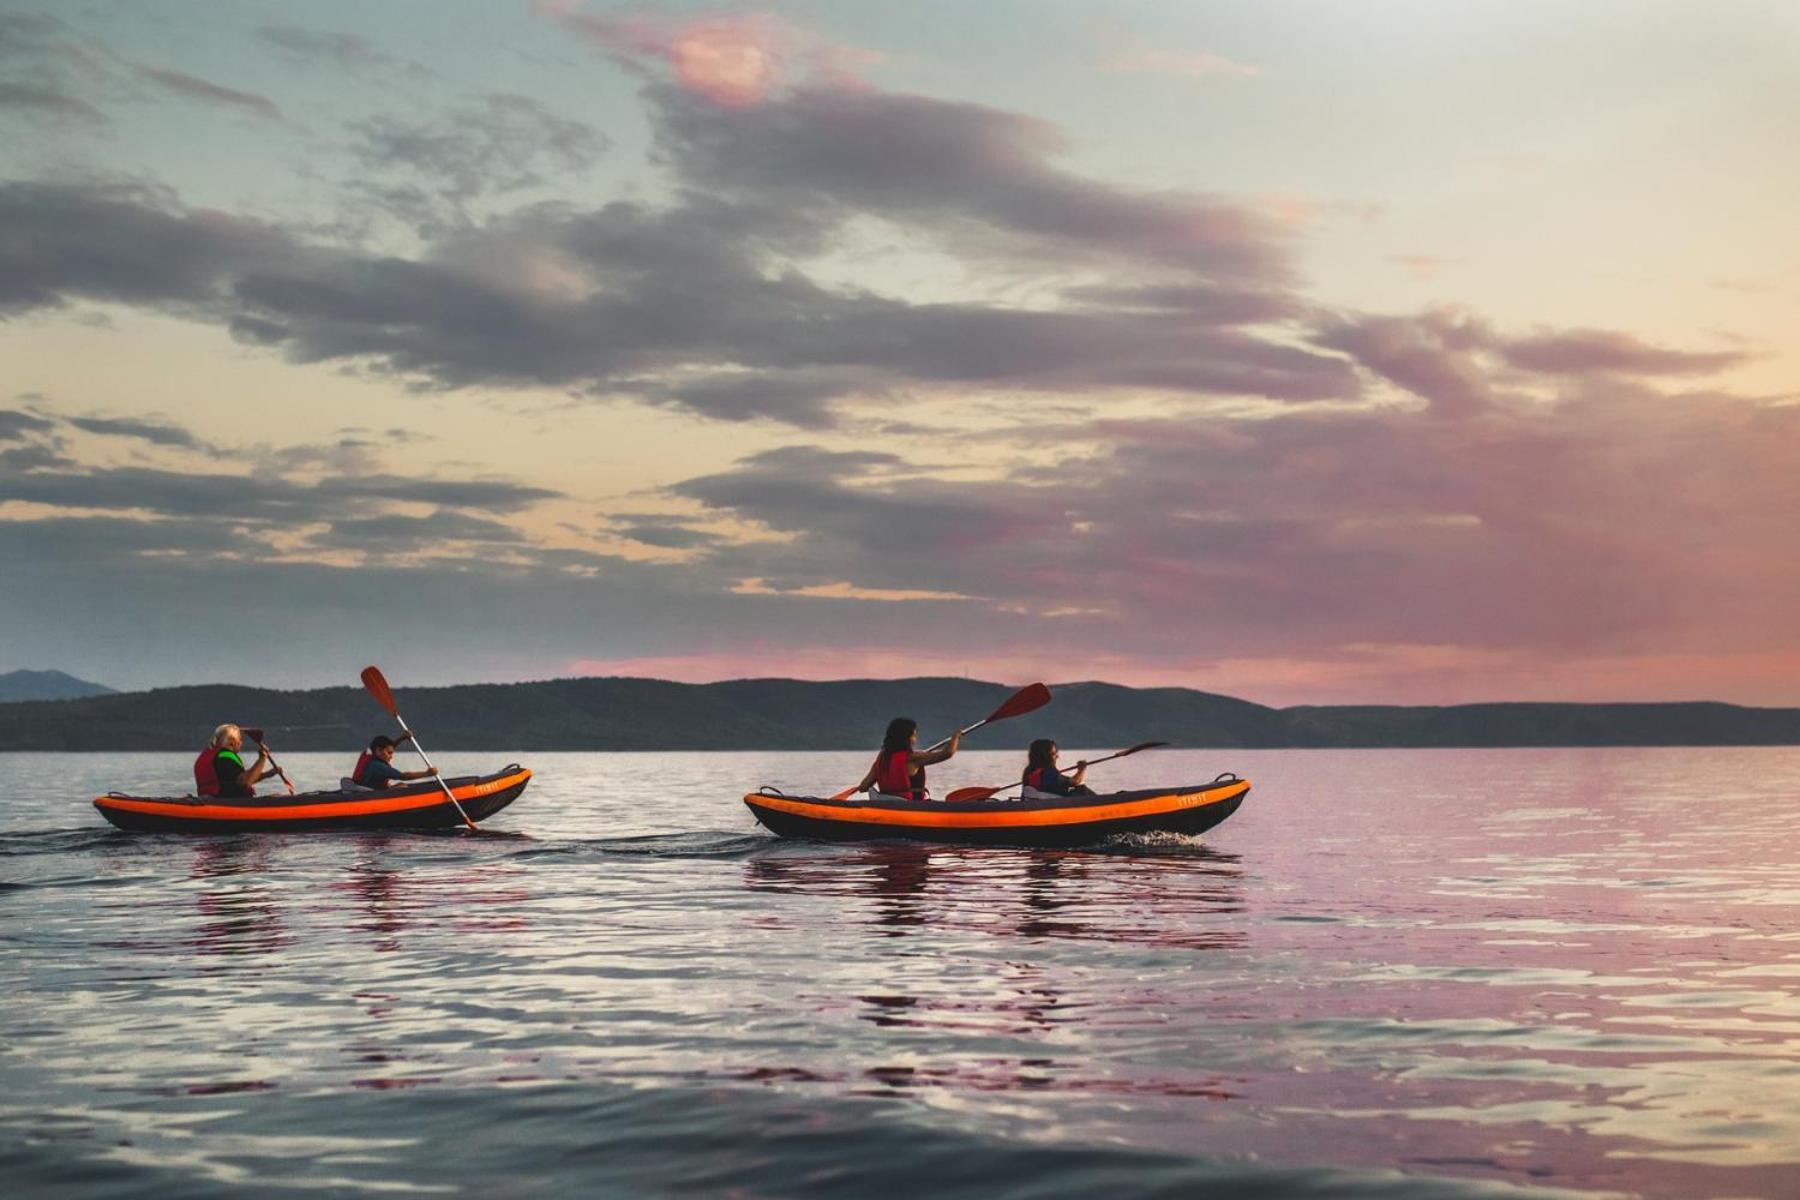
899, 769
1042, 777
376, 769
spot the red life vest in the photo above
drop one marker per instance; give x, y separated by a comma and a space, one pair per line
206, 774
896, 777
1034, 778
361, 763
206, 778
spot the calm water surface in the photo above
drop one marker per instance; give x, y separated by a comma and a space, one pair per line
1391, 974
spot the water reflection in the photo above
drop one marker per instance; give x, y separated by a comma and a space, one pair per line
238, 913
1164, 900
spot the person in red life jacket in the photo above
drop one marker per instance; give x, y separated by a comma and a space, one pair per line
376, 769
220, 770
1041, 775
899, 769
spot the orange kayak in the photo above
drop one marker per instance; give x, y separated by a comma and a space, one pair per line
1052, 821
418, 805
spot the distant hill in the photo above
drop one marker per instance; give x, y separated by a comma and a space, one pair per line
46, 685
787, 714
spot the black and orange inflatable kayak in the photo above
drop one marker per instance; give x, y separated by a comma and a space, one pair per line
1054, 821
420, 805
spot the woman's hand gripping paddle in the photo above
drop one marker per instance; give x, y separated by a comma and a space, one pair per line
256, 735
384, 695
1027, 699
961, 794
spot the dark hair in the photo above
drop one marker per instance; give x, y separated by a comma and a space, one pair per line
381, 741
1037, 756
899, 734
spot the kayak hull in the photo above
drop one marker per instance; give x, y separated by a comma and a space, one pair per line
1056, 821
418, 805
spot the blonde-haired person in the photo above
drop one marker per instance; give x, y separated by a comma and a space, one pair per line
220, 770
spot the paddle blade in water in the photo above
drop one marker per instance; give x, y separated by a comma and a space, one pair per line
1026, 699
377, 684
961, 794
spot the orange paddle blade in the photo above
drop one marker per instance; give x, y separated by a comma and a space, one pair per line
378, 687
845, 794
961, 794
1026, 699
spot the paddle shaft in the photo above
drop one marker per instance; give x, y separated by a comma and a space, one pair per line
414, 739
278, 770
985, 793
939, 745
255, 735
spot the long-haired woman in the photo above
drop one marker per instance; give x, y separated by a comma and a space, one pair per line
899, 770
1041, 775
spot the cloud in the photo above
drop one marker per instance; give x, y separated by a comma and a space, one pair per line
192, 87
429, 171
1521, 534
661, 531
1591, 351
975, 176
122, 243
156, 432
257, 497
731, 59
342, 50
16, 424
42, 99
399, 531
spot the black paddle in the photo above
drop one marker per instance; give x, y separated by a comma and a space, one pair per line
974, 793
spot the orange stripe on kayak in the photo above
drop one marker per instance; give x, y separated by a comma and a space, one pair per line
303, 812
920, 819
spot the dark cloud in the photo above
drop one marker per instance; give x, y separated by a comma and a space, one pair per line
1433, 355
192, 87
34, 457
258, 497
661, 530
15, 424
962, 171
33, 100
398, 533
1529, 528
155, 432
1594, 351
122, 243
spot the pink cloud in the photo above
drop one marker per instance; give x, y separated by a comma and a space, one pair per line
733, 59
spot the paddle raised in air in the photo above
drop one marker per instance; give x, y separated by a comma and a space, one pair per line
256, 735
1027, 699
378, 687
973, 793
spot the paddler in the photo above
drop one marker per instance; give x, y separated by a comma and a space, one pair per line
1041, 776
899, 769
220, 771
376, 769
